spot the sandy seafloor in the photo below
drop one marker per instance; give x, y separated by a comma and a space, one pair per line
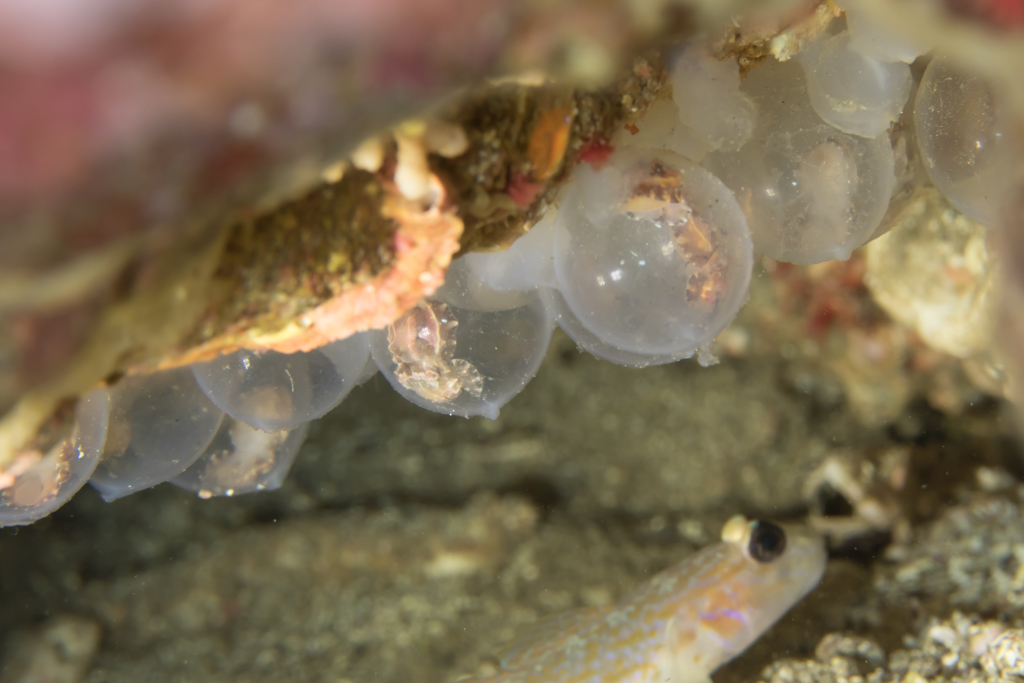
408, 547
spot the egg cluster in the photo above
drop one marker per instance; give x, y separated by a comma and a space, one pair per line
644, 260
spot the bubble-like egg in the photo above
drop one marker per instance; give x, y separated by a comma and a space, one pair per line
464, 288
38, 483
459, 361
652, 254
369, 370
595, 346
275, 391
159, 425
707, 94
241, 459
527, 264
963, 134
811, 192
855, 93
879, 41
661, 128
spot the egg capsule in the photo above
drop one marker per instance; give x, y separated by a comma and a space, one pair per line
877, 40
855, 93
159, 425
661, 128
369, 370
652, 256
464, 287
810, 192
526, 265
963, 133
274, 391
242, 459
39, 483
459, 361
707, 94
592, 344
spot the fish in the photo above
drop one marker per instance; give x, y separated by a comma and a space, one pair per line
685, 622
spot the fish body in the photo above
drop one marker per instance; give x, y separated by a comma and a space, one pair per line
685, 622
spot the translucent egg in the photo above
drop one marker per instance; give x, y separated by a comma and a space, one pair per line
854, 93
652, 255
526, 265
369, 370
159, 425
275, 391
879, 41
241, 459
963, 133
464, 288
592, 344
661, 128
707, 94
811, 192
458, 361
42, 482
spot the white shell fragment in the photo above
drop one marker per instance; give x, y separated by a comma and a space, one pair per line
855, 93
653, 257
42, 482
159, 425
935, 274
458, 361
811, 192
241, 459
274, 391
963, 133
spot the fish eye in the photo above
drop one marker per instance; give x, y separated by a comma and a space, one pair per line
767, 542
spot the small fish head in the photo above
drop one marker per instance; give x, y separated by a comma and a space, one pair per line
765, 569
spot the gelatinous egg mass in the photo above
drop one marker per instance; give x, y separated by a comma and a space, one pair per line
707, 94
594, 345
39, 482
855, 93
274, 391
241, 459
159, 425
962, 131
652, 254
876, 40
811, 192
468, 282
460, 361
525, 265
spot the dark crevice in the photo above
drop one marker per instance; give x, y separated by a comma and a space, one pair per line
920, 425
865, 549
